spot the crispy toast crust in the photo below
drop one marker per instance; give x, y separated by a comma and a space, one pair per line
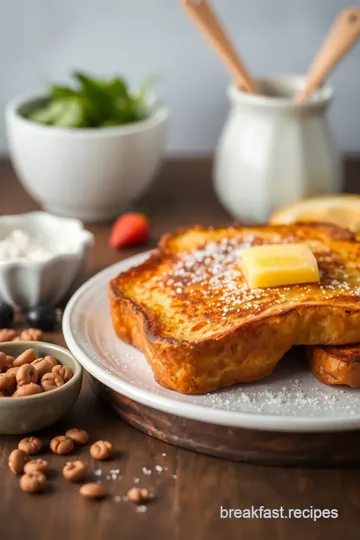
336, 365
152, 313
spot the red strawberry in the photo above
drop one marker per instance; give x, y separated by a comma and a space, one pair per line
129, 230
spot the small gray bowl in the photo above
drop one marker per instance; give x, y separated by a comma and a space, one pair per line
32, 413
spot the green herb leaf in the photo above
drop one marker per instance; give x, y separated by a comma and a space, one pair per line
72, 114
62, 92
48, 114
93, 102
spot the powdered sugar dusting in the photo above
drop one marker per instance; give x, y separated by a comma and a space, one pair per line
210, 278
285, 395
276, 401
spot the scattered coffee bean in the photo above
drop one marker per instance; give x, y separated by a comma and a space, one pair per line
138, 495
36, 465
7, 334
92, 491
34, 471
30, 445
75, 471
17, 460
62, 445
79, 436
31, 334
33, 482
101, 450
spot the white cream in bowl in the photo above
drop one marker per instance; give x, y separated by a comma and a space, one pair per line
42, 257
21, 245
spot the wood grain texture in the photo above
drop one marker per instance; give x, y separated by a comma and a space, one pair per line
186, 507
247, 445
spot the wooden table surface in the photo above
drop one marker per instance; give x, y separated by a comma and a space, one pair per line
192, 487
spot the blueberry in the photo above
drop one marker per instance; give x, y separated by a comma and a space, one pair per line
6, 315
41, 316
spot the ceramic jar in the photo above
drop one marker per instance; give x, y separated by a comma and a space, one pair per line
274, 151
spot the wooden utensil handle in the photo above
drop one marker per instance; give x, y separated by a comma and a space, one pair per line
341, 38
203, 15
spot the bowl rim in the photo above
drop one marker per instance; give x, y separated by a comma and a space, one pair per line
53, 348
86, 241
158, 116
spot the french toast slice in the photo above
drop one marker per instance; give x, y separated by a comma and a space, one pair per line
336, 365
189, 309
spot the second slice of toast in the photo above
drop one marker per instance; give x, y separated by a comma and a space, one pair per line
336, 365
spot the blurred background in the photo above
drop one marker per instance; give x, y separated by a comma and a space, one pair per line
43, 40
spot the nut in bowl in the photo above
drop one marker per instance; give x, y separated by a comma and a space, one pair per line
41, 257
27, 403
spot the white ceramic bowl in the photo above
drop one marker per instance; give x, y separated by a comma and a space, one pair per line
90, 174
25, 282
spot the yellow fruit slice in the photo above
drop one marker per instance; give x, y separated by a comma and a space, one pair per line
341, 210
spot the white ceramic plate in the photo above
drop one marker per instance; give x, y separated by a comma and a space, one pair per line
289, 400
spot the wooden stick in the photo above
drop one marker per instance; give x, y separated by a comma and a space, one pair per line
341, 38
204, 17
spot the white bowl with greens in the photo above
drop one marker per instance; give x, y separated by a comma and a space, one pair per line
89, 150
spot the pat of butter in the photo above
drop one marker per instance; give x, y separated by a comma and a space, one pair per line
279, 264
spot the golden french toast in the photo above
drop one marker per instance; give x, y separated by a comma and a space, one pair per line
336, 365
190, 310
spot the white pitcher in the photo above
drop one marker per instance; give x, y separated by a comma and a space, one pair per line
274, 151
